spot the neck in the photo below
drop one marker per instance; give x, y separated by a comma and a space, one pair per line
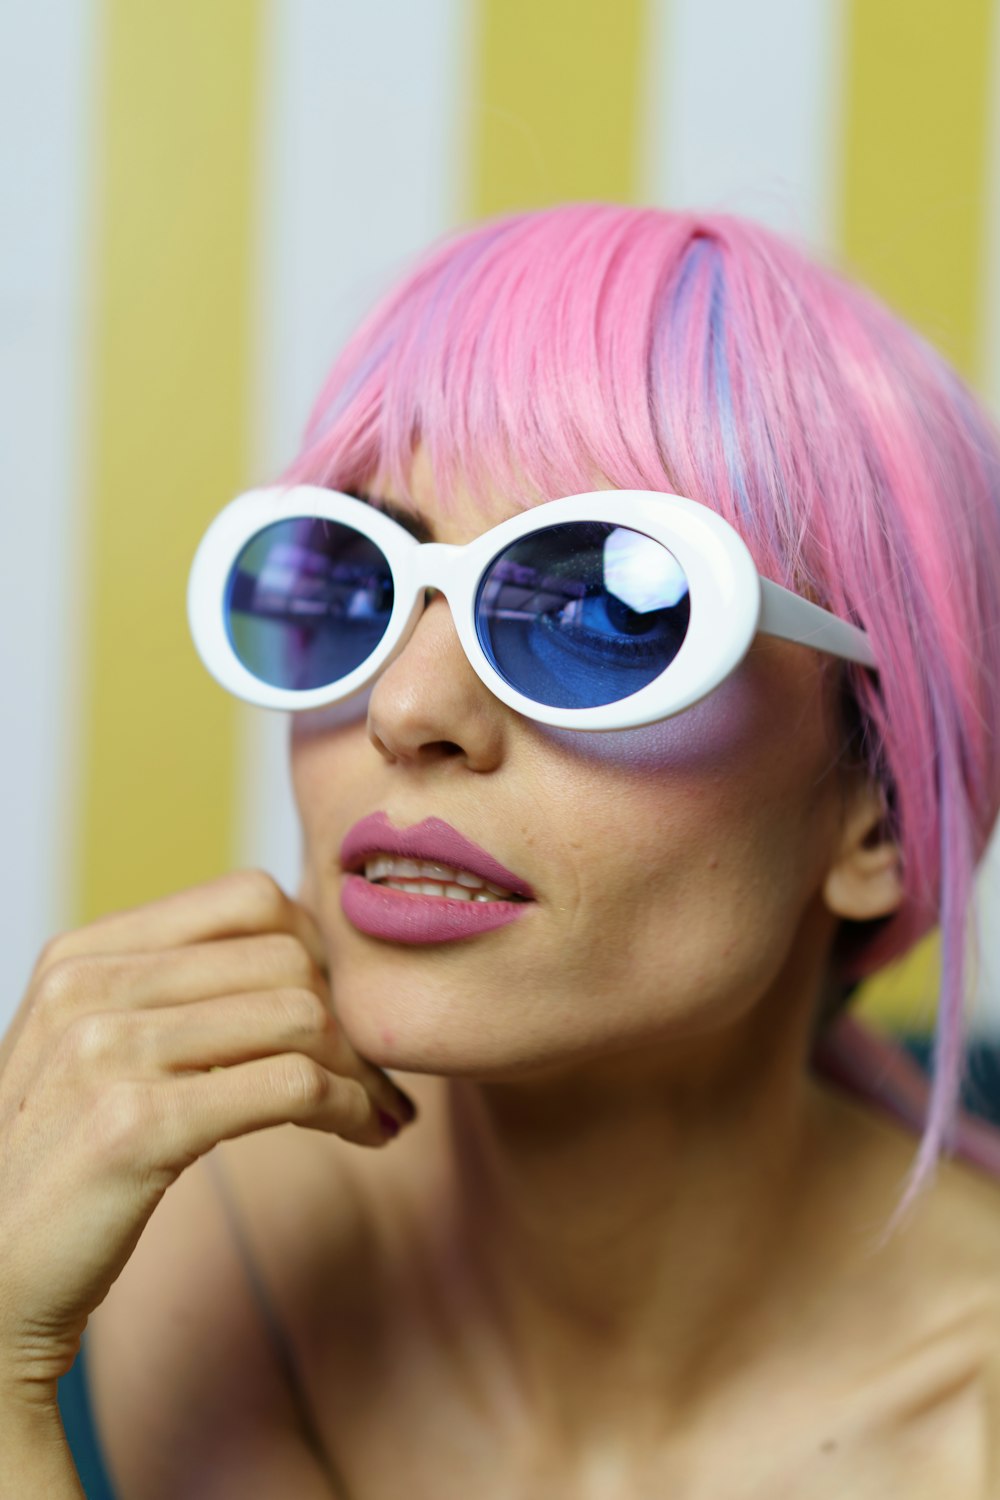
634, 1223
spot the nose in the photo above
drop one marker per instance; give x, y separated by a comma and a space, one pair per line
429, 705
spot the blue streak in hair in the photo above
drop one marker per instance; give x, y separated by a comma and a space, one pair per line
717, 378
700, 253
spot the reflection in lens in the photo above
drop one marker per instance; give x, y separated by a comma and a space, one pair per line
307, 601
582, 614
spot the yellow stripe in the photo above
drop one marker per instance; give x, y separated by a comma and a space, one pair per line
557, 97
913, 192
903, 997
912, 212
170, 438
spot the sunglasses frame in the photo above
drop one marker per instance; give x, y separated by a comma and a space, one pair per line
730, 601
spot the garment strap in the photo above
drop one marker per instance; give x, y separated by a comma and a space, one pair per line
277, 1338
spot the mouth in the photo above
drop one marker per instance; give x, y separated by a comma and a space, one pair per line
426, 884
431, 859
430, 878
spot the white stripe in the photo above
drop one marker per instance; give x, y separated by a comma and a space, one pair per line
742, 110
49, 53
362, 165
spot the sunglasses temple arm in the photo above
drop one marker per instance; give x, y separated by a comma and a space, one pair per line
793, 618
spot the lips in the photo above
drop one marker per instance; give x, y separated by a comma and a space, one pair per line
433, 839
401, 917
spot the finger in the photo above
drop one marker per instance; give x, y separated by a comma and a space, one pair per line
84, 993
220, 1033
242, 902
201, 1109
237, 904
202, 971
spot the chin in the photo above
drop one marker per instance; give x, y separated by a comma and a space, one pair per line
396, 1022
407, 1025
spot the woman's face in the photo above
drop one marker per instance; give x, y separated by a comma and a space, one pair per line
676, 869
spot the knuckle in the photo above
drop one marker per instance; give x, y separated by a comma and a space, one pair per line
303, 1081
292, 960
93, 1039
58, 947
70, 982
63, 984
262, 893
304, 1012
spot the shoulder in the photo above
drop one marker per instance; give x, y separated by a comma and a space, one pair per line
961, 1248
955, 1242
188, 1395
951, 1236
927, 1349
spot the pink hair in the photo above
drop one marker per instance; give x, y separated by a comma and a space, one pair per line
702, 354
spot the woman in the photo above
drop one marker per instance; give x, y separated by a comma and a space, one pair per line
635, 1242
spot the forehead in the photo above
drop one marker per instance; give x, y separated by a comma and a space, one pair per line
466, 513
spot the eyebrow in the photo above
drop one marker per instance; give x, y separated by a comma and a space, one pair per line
411, 521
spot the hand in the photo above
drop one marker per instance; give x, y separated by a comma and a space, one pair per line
144, 1039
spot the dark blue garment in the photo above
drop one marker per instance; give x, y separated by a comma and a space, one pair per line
981, 1084
78, 1420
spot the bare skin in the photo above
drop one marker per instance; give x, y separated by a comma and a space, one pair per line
861, 1376
142, 1041
628, 1247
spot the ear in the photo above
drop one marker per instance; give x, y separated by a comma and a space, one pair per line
865, 881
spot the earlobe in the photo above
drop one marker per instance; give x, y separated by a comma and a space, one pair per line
866, 880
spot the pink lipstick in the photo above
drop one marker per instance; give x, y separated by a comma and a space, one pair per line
404, 917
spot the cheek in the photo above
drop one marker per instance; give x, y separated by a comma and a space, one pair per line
715, 734
322, 763
720, 802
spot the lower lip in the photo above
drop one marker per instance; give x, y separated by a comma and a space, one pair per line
382, 912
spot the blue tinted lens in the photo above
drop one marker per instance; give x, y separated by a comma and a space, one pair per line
583, 614
306, 602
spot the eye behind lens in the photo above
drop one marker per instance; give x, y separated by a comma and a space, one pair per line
307, 601
582, 614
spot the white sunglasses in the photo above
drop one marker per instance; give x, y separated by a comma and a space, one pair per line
599, 611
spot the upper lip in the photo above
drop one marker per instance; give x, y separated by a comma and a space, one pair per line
433, 839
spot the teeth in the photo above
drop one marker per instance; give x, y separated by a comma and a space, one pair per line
429, 878
438, 888
382, 865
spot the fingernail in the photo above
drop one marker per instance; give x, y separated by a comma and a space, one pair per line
389, 1125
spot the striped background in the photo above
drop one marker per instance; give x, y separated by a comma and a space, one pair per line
204, 197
